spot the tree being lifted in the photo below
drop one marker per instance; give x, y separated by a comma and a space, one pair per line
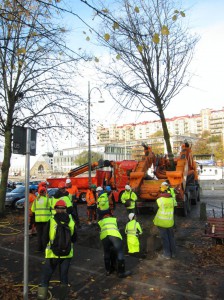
153, 50
36, 87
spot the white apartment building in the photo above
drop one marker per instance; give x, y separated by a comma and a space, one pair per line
63, 160
208, 119
116, 142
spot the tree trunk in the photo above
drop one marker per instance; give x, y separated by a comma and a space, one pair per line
167, 139
5, 170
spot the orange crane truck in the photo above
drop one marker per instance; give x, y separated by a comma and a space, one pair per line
184, 180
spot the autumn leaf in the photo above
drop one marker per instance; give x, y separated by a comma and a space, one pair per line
136, 9
105, 10
88, 38
96, 59
156, 38
165, 30
21, 51
115, 26
140, 48
176, 11
182, 14
174, 18
107, 37
118, 56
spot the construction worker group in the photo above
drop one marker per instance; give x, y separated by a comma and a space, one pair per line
45, 213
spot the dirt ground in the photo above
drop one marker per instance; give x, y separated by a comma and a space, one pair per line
196, 272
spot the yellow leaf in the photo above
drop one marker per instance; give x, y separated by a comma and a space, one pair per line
165, 30
115, 26
182, 14
96, 59
174, 18
136, 9
140, 48
107, 37
21, 51
105, 10
176, 11
118, 56
88, 38
156, 38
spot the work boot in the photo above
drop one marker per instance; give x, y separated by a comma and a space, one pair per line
121, 269
42, 292
107, 266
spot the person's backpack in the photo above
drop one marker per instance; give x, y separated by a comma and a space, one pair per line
62, 243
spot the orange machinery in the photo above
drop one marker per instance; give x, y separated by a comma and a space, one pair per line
184, 179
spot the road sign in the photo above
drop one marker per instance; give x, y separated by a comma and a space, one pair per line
20, 138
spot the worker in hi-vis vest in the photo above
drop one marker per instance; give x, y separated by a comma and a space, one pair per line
133, 230
113, 246
164, 220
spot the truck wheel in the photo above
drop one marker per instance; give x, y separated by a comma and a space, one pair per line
82, 198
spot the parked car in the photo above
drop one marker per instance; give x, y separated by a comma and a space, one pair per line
14, 195
20, 203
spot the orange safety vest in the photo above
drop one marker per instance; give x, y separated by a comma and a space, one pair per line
90, 199
73, 190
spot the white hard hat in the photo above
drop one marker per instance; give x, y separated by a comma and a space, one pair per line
164, 183
127, 187
68, 180
99, 188
131, 216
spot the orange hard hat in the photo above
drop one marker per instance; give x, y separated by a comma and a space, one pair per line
61, 185
60, 203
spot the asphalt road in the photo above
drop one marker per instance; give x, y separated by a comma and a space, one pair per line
186, 277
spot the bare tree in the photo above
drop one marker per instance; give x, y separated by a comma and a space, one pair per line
36, 76
153, 50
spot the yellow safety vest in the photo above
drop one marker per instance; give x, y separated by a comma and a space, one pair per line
132, 228
52, 233
54, 201
41, 209
165, 215
108, 226
103, 202
129, 195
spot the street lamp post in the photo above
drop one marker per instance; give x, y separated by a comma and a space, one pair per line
89, 131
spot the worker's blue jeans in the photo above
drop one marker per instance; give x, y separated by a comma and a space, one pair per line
169, 246
116, 243
51, 265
